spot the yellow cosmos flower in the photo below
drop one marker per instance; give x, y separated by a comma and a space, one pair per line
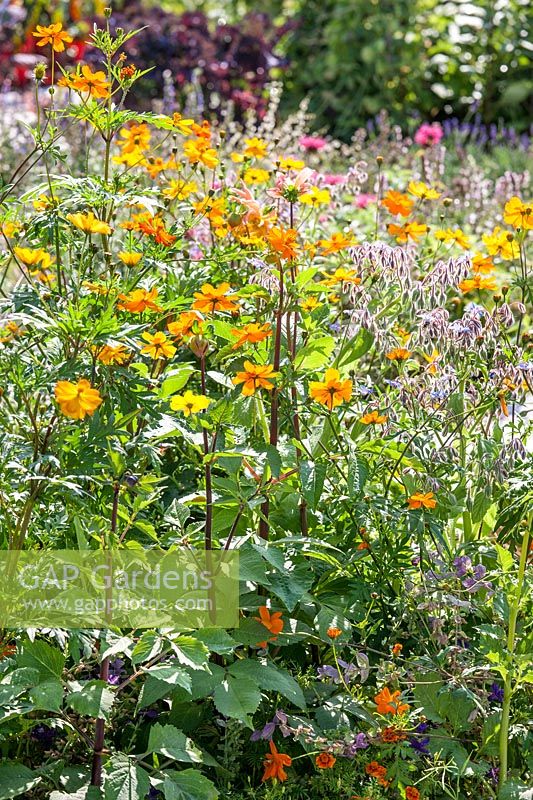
420, 500
135, 138
315, 197
255, 376
411, 230
180, 189
332, 391
32, 257
9, 229
255, 148
255, 176
184, 126
398, 354
187, 323
518, 214
198, 153
77, 400
341, 275
453, 237
158, 345
288, 162
52, 34
310, 303
501, 243
422, 190
337, 242
129, 258
112, 355
89, 223
189, 403
432, 361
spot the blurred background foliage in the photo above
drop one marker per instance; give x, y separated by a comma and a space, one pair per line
417, 59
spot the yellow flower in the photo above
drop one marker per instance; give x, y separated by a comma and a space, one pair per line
52, 34
310, 303
89, 223
316, 197
129, 258
338, 241
158, 345
43, 203
33, 257
251, 333
189, 403
477, 282
518, 214
237, 158
420, 500
198, 153
453, 237
432, 361
188, 322
9, 229
77, 400
139, 300
501, 243
184, 126
422, 190
112, 355
373, 418
288, 163
255, 148
332, 391
398, 354
180, 189
341, 275
255, 376
135, 138
482, 264
411, 230
254, 176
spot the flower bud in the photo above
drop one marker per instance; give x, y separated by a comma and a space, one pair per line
199, 346
379, 160
39, 72
107, 12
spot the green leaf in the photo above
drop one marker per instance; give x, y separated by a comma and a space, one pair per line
176, 380
94, 700
49, 661
48, 695
514, 790
238, 698
217, 640
315, 354
124, 779
358, 470
312, 477
191, 652
149, 645
270, 677
15, 779
189, 784
172, 743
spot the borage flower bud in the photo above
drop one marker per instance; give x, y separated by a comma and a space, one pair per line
107, 14
199, 346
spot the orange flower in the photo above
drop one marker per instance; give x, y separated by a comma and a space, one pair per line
251, 333
378, 772
337, 242
334, 633
481, 263
199, 152
325, 761
392, 735
135, 138
210, 299
420, 500
77, 400
398, 354
411, 793
255, 376
411, 230
272, 622
139, 300
274, 764
373, 418
332, 391
52, 34
477, 282
154, 226
389, 703
397, 649
187, 322
283, 242
397, 203
112, 355
88, 81
88, 223
129, 258
518, 214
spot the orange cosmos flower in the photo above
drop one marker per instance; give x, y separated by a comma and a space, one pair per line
332, 391
334, 633
336, 242
77, 400
187, 323
272, 622
392, 735
275, 764
283, 242
88, 81
182, 125
411, 230
88, 223
135, 138
518, 214
389, 703
398, 354
139, 300
481, 263
453, 237
52, 34
412, 793
32, 257
112, 355
251, 333
420, 500
215, 298
373, 418
397, 203
158, 345
325, 761
155, 227
255, 376
477, 282
199, 152
378, 772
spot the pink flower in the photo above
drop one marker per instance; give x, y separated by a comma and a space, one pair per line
429, 134
313, 142
363, 200
333, 180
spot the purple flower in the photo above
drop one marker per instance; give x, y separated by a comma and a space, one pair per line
462, 565
496, 693
279, 720
115, 671
420, 745
494, 775
359, 743
44, 734
154, 794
